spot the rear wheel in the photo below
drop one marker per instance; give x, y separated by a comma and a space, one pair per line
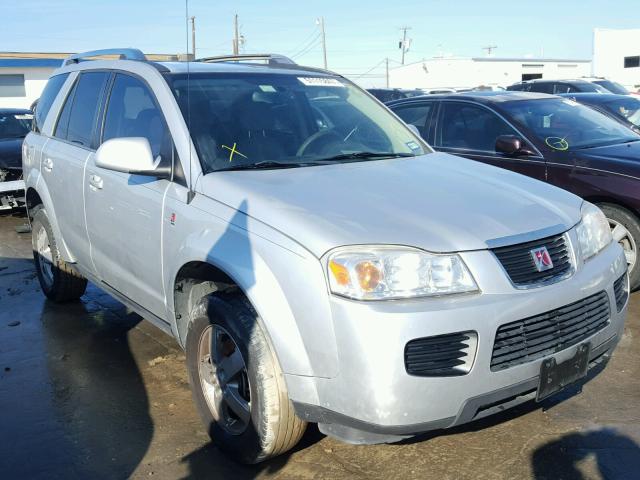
237, 383
625, 229
59, 282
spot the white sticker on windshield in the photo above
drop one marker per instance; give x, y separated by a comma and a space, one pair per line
267, 88
24, 116
413, 146
320, 82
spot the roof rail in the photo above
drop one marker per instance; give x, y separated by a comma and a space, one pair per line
123, 53
269, 58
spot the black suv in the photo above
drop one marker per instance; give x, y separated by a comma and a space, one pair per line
557, 86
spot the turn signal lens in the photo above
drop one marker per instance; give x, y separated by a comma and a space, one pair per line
340, 273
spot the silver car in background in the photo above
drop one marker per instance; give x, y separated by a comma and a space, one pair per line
315, 258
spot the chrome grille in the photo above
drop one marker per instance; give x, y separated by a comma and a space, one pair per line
519, 265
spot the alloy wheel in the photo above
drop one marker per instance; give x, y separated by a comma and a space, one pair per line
626, 240
224, 379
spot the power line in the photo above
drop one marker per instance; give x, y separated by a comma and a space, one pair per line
313, 44
304, 42
371, 69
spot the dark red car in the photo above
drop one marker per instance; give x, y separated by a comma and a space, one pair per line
553, 139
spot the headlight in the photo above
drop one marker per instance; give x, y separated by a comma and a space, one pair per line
593, 231
378, 273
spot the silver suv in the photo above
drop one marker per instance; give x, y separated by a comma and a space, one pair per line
315, 258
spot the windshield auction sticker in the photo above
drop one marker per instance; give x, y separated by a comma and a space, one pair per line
320, 82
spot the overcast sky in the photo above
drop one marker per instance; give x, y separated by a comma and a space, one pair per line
360, 34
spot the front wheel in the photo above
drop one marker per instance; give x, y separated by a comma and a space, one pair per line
59, 282
625, 229
236, 381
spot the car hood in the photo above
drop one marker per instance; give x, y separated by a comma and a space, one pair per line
437, 202
11, 153
622, 158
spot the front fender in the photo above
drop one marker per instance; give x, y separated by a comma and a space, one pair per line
284, 283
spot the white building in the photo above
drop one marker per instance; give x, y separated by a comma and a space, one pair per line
460, 72
616, 55
23, 75
22, 80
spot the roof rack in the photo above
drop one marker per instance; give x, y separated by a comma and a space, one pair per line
269, 58
123, 54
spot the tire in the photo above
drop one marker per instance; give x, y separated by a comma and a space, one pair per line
268, 426
59, 282
628, 236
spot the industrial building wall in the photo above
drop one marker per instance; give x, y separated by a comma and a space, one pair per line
616, 55
34, 81
473, 72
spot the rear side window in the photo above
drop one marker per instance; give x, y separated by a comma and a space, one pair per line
543, 87
45, 101
133, 112
78, 118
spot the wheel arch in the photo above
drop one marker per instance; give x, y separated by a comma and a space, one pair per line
39, 195
197, 278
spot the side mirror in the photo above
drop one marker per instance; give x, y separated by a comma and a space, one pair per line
511, 145
414, 129
130, 155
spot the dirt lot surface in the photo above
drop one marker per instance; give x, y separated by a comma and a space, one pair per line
90, 390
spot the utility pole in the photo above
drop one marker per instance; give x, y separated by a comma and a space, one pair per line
236, 36
489, 49
403, 43
386, 64
324, 41
193, 37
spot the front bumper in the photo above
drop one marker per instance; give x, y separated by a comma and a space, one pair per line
11, 194
14, 186
374, 399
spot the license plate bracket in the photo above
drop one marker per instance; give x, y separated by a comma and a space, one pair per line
556, 376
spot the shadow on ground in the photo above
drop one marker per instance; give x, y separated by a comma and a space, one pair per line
617, 457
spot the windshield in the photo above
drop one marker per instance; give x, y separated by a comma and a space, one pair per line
14, 125
613, 87
567, 125
627, 108
240, 120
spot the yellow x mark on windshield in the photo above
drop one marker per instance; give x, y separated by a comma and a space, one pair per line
233, 150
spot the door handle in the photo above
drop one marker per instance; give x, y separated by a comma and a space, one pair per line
95, 182
47, 164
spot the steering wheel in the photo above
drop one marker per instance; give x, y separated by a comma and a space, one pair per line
315, 140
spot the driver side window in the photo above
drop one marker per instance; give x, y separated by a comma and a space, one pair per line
470, 127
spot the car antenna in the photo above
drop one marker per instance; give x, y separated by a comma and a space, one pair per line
191, 193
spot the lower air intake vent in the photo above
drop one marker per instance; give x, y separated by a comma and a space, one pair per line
621, 290
535, 337
441, 356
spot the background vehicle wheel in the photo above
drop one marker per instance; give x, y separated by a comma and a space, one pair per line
236, 381
626, 231
58, 281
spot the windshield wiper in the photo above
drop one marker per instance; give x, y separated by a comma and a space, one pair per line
355, 156
366, 155
266, 165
